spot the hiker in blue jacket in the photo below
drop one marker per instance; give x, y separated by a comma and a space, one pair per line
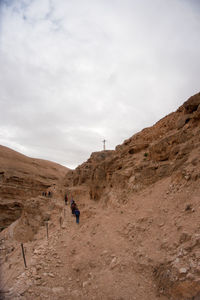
77, 214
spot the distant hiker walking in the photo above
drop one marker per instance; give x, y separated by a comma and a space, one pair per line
66, 199
73, 207
77, 214
71, 201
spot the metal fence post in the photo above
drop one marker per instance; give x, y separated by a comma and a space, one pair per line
47, 229
22, 246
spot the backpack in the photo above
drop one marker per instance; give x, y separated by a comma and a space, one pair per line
77, 212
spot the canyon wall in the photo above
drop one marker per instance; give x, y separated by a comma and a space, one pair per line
21, 178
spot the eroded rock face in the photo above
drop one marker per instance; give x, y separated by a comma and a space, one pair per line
10, 211
21, 178
35, 213
192, 104
92, 173
148, 156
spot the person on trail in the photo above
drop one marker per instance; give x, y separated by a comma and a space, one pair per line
73, 207
66, 199
77, 214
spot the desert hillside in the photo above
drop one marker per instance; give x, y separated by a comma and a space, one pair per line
22, 177
139, 231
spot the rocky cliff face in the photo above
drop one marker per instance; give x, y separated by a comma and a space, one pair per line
148, 156
21, 178
157, 173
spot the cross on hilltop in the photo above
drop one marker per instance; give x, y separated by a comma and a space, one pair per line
104, 145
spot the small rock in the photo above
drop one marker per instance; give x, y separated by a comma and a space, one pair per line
184, 237
75, 293
58, 290
85, 283
90, 275
37, 251
104, 253
177, 260
113, 263
51, 275
38, 267
190, 276
188, 207
114, 260
180, 254
183, 270
198, 269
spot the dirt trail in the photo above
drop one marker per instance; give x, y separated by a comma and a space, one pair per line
117, 252
96, 259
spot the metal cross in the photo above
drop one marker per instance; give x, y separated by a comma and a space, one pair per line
104, 145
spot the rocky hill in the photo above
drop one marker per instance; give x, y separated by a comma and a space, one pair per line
21, 178
170, 147
139, 233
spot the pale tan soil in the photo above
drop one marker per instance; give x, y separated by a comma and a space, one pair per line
13, 161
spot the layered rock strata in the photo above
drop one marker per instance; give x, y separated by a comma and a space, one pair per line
21, 178
148, 156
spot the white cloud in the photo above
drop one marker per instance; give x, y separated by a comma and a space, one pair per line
75, 72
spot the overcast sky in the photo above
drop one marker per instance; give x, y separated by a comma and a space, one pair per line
73, 72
